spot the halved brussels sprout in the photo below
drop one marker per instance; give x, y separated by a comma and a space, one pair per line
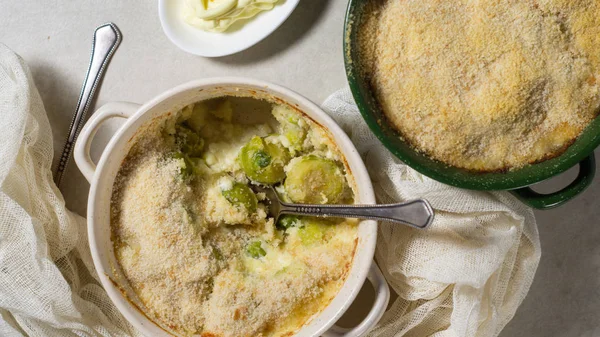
314, 180
311, 233
241, 195
255, 250
263, 161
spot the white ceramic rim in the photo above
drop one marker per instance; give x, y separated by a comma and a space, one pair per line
197, 42
363, 258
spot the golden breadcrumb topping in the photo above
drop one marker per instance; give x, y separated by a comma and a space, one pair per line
203, 257
484, 85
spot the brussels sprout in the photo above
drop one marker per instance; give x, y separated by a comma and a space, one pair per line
314, 180
241, 195
311, 233
288, 221
294, 133
263, 161
194, 150
189, 141
255, 250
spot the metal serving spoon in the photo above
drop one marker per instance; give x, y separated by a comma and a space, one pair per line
106, 40
416, 213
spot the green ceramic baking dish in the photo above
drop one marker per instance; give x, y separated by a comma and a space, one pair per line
518, 181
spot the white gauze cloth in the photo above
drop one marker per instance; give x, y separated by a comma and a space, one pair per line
464, 276
48, 285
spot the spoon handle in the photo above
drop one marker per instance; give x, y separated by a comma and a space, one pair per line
106, 40
415, 213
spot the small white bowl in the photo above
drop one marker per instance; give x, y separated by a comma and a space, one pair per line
242, 35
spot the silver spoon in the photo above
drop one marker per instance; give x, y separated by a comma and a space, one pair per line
416, 213
106, 40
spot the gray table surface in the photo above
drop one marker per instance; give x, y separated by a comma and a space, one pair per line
304, 54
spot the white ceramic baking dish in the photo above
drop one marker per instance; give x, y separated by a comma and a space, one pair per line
101, 178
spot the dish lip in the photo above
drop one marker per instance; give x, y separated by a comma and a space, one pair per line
175, 38
362, 260
582, 147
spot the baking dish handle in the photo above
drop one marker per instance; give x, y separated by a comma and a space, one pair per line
81, 152
382, 297
587, 170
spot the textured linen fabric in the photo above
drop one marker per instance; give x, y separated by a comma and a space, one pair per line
48, 285
464, 276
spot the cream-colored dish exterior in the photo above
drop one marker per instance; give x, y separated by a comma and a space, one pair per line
101, 178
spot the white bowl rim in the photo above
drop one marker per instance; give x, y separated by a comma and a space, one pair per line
362, 260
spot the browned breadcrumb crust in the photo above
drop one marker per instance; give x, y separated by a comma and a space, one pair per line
148, 183
484, 85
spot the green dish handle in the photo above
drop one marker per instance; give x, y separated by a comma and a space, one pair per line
587, 170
